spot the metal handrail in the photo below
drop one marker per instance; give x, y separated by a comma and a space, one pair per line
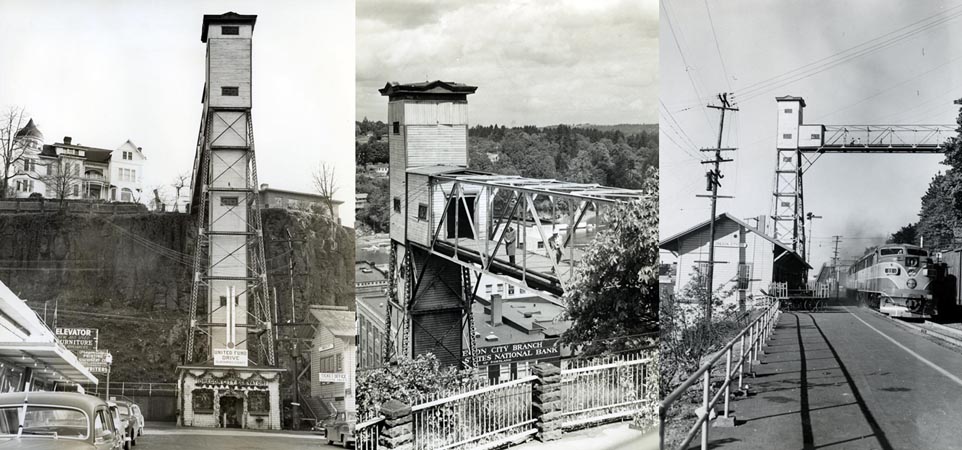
757, 332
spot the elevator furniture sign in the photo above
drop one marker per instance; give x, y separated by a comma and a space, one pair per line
78, 339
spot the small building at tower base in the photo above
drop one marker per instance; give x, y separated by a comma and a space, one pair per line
229, 397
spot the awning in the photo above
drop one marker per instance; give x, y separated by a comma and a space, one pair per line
54, 363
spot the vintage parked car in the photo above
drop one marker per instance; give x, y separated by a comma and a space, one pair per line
141, 422
57, 421
339, 428
132, 424
122, 423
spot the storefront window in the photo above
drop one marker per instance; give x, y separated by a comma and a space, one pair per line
258, 403
203, 400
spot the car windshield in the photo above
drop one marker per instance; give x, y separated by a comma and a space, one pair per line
916, 252
44, 421
890, 251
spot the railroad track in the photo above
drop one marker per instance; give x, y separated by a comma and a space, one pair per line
949, 334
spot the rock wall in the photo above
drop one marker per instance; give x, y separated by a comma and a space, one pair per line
129, 276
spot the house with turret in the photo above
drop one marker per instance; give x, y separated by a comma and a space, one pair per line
69, 170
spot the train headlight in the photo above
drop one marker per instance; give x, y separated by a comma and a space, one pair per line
911, 283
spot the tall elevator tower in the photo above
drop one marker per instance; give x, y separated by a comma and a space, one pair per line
229, 357
788, 208
428, 126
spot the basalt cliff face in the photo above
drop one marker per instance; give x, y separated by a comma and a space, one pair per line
130, 276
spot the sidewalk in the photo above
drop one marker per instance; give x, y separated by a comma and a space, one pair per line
608, 437
171, 428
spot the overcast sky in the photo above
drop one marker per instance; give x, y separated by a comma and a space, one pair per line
534, 62
107, 71
863, 198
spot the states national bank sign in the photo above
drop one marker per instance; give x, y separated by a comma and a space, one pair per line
522, 351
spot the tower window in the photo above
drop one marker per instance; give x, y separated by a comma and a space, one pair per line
229, 91
788, 110
397, 204
229, 31
787, 136
397, 127
228, 201
816, 136
422, 212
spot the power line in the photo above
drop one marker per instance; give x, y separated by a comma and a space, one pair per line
883, 41
717, 47
675, 37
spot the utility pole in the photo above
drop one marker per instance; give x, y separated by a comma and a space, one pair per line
713, 175
835, 264
811, 217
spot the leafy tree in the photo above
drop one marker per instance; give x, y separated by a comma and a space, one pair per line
376, 215
614, 298
12, 150
905, 235
406, 380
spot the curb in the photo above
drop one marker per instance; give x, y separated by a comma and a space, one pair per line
942, 336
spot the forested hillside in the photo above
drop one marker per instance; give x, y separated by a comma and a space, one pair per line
612, 155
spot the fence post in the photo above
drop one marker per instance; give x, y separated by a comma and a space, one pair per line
396, 432
546, 401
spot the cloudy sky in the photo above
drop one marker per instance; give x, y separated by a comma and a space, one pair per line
107, 71
911, 79
535, 62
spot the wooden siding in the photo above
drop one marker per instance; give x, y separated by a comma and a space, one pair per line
229, 129
229, 64
734, 245
419, 231
435, 112
429, 145
398, 169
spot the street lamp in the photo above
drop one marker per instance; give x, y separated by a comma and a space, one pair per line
110, 360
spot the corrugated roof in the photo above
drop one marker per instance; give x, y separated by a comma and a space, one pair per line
671, 242
436, 170
340, 322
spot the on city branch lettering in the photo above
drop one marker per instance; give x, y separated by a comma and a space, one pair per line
522, 351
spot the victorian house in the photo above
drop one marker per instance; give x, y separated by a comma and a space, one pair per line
72, 171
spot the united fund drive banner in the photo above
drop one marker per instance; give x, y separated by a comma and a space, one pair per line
78, 339
522, 351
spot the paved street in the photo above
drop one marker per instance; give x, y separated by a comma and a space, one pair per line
166, 436
609, 437
849, 378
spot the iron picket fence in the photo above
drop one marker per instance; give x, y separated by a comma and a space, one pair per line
483, 418
366, 433
611, 388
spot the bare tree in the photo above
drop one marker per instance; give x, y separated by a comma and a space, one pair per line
326, 185
63, 178
180, 181
12, 150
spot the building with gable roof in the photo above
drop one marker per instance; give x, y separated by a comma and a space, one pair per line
333, 356
77, 171
747, 259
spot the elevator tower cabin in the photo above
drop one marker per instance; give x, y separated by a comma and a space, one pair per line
451, 226
800, 144
229, 377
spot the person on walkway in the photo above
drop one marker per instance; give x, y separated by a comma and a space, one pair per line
510, 243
